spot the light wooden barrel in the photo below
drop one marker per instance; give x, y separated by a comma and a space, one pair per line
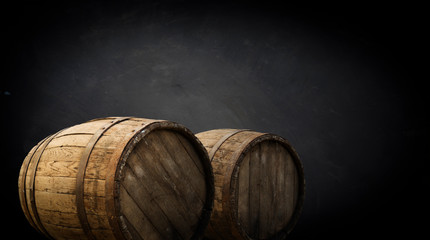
118, 178
259, 184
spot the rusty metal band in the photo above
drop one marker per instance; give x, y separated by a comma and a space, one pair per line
222, 140
102, 118
81, 175
22, 192
112, 184
32, 182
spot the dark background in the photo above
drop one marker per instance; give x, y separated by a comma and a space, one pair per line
342, 82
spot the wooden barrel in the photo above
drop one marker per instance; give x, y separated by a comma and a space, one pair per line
259, 184
118, 178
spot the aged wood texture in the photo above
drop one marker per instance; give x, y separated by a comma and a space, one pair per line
259, 184
118, 178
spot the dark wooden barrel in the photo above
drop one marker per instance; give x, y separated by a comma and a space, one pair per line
259, 184
118, 178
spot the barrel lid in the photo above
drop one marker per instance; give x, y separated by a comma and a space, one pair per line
163, 184
266, 187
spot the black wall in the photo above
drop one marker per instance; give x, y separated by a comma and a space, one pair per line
341, 82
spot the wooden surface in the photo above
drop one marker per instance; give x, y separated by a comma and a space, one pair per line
267, 190
165, 189
259, 185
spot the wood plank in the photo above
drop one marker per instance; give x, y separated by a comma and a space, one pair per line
266, 191
254, 192
275, 187
191, 153
212, 138
190, 192
136, 183
130, 231
145, 121
59, 162
63, 185
56, 202
243, 192
67, 185
98, 222
136, 217
56, 168
186, 167
97, 168
65, 153
94, 187
281, 213
98, 163
164, 180
94, 205
70, 141
214, 134
64, 162
71, 220
68, 167
62, 232
110, 139
121, 129
59, 218
85, 128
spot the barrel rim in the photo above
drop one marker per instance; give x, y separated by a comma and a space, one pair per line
234, 178
133, 141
